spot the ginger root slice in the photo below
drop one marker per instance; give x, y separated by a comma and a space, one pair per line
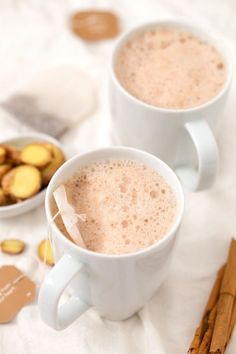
58, 159
2, 154
36, 154
3, 170
45, 252
4, 199
13, 155
12, 246
22, 182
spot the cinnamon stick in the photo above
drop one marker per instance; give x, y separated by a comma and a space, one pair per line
212, 301
232, 322
196, 340
225, 304
206, 341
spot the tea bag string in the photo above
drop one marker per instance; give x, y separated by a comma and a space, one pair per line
50, 239
40, 274
68, 215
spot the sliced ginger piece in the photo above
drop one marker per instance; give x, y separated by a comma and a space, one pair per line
36, 154
13, 155
45, 252
22, 182
3, 154
3, 170
4, 199
58, 159
12, 246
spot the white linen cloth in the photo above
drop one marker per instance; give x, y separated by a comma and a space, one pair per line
34, 35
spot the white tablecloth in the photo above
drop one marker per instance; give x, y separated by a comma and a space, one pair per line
34, 35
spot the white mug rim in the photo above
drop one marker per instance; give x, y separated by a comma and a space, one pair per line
170, 234
203, 33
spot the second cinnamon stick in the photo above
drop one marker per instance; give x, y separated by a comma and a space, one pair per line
225, 304
212, 301
206, 341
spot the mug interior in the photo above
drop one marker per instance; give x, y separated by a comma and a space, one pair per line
71, 166
203, 34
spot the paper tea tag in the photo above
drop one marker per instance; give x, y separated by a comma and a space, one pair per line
95, 25
68, 215
16, 290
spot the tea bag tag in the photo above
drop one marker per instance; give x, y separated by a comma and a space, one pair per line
16, 290
68, 215
95, 25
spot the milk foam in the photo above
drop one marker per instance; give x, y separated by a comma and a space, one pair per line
128, 206
170, 68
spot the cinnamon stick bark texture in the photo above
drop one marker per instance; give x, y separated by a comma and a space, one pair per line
232, 322
196, 340
206, 341
225, 304
206, 321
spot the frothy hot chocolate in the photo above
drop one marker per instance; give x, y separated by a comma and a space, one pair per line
127, 205
170, 68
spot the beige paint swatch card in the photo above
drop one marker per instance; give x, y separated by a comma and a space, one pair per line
16, 290
95, 25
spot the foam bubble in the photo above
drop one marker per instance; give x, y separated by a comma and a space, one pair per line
124, 223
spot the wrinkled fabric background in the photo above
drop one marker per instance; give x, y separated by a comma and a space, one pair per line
34, 35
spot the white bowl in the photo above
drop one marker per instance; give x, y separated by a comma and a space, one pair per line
33, 202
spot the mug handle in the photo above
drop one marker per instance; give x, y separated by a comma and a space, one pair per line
60, 317
207, 155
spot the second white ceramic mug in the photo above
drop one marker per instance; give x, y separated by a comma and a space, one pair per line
183, 138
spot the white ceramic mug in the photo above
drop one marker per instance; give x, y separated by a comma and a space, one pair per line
117, 286
183, 138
